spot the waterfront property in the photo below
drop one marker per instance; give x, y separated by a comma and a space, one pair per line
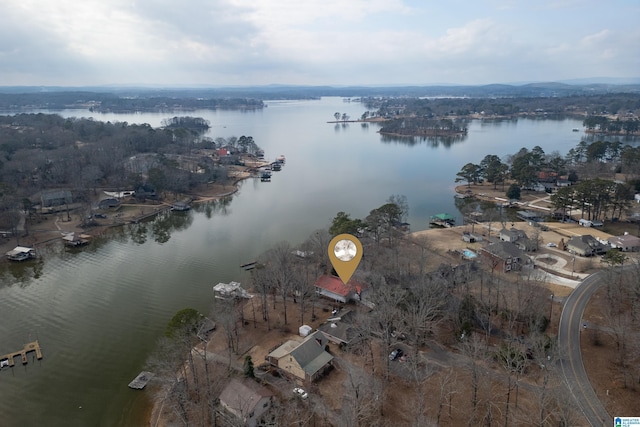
443, 220
180, 206
73, 240
21, 253
333, 288
7, 359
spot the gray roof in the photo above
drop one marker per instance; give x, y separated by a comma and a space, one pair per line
505, 250
513, 232
340, 328
56, 194
243, 396
586, 242
625, 240
310, 354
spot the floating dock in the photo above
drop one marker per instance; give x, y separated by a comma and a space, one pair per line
7, 359
249, 266
141, 380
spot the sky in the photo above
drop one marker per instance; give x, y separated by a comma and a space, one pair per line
315, 42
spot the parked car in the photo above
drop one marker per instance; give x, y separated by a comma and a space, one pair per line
300, 392
551, 245
395, 354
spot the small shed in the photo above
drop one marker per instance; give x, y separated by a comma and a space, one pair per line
305, 330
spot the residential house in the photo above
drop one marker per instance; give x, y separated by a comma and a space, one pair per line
332, 287
304, 361
519, 238
585, 245
529, 216
56, 198
246, 400
511, 235
504, 257
110, 202
339, 328
626, 243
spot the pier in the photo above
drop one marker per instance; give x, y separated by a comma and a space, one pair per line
7, 359
141, 380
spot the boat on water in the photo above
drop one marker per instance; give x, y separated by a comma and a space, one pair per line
275, 166
265, 176
281, 158
575, 130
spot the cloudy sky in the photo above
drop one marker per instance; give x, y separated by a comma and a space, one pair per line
316, 42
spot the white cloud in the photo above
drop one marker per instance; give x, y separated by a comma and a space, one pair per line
312, 41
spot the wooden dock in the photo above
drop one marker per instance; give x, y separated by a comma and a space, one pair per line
249, 265
141, 380
7, 359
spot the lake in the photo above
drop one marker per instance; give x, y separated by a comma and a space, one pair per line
98, 312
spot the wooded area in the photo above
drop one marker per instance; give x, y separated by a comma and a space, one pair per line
40, 153
479, 346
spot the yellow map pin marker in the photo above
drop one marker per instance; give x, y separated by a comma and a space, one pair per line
345, 253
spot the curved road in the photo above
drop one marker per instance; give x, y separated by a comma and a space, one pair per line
571, 357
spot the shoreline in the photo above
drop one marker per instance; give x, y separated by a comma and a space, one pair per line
51, 229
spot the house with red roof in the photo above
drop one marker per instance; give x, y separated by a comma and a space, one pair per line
331, 287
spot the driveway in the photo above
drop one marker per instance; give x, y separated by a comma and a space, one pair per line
571, 364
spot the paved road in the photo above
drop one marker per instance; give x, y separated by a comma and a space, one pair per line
571, 362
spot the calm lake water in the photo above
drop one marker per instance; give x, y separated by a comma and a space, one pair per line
98, 312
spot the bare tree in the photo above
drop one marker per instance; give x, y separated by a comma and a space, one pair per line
363, 396
446, 390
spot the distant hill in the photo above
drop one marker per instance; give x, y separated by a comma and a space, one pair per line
13, 97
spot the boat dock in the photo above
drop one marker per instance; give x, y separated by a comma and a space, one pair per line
249, 266
7, 359
443, 220
141, 380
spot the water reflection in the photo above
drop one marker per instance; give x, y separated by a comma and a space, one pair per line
169, 221
139, 233
22, 273
217, 207
625, 140
341, 127
431, 141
